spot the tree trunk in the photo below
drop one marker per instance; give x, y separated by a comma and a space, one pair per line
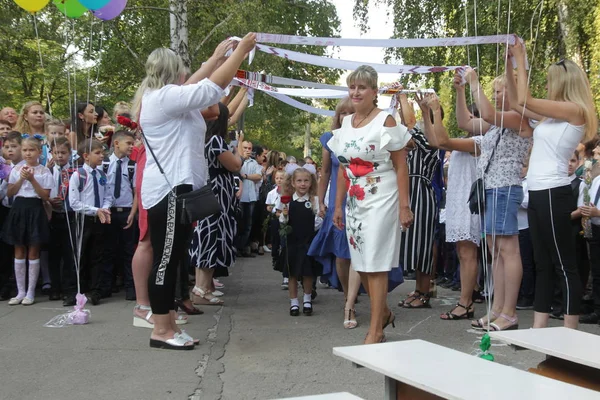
179, 29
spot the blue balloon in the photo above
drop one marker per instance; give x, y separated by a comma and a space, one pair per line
94, 4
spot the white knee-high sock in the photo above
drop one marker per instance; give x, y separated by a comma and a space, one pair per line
21, 277
34, 273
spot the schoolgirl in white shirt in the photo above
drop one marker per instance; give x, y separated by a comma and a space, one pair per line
26, 226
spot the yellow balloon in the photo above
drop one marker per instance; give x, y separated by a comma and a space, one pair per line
32, 5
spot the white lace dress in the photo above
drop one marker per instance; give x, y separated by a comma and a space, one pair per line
460, 223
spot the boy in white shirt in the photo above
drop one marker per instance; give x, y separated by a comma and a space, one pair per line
91, 197
593, 212
272, 199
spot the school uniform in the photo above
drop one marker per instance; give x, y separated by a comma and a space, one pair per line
62, 238
272, 199
88, 192
121, 242
594, 245
6, 250
27, 221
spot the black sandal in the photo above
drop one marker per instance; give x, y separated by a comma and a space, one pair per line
294, 311
307, 310
390, 320
423, 298
410, 298
450, 316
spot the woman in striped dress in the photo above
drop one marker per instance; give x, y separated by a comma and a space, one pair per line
416, 246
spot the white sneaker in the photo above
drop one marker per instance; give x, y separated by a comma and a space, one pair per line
285, 283
27, 301
266, 249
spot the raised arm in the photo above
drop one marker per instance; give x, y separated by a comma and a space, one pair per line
513, 97
407, 113
234, 104
225, 73
233, 119
427, 124
464, 118
444, 141
561, 110
208, 67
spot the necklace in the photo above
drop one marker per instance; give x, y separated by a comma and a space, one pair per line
362, 120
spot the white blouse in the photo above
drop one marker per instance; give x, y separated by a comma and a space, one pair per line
41, 174
174, 128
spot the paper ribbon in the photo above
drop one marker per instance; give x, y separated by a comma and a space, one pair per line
398, 43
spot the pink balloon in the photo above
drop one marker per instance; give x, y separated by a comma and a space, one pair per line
112, 10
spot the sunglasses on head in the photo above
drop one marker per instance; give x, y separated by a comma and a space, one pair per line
562, 64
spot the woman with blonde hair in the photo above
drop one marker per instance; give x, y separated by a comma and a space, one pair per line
31, 119
373, 178
567, 117
330, 246
174, 135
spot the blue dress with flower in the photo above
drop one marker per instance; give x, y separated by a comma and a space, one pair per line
330, 242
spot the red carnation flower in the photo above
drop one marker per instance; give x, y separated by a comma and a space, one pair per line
357, 191
360, 167
286, 199
352, 242
346, 179
126, 122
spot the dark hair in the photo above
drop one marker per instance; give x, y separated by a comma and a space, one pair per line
87, 146
431, 114
61, 141
218, 127
100, 110
119, 135
78, 126
258, 150
273, 158
576, 154
14, 136
590, 145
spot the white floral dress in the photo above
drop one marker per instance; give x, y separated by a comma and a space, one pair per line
372, 214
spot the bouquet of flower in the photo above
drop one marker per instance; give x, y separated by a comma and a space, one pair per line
285, 229
586, 222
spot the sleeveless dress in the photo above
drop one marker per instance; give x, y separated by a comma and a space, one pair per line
302, 221
330, 242
213, 238
372, 213
417, 242
460, 223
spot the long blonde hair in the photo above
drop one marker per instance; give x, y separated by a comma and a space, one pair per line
343, 104
163, 67
22, 123
568, 82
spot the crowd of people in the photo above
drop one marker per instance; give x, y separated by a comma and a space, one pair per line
95, 204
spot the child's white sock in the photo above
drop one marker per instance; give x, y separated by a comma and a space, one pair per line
307, 298
34, 273
294, 302
21, 277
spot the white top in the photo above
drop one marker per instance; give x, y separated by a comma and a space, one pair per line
174, 128
522, 220
40, 173
83, 201
564, 343
391, 358
506, 162
553, 145
273, 198
593, 193
250, 190
315, 207
126, 196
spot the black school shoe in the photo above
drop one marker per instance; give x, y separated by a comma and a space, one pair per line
294, 311
94, 297
307, 308
54, 296
69, 301
591, 318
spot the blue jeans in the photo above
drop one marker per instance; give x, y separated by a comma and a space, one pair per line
246, 224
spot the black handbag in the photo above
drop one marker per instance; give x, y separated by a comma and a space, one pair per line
477, 195
195, 205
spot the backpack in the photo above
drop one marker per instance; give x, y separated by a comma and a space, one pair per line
83, 177
130, 170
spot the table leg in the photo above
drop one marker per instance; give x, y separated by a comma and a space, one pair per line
390, 389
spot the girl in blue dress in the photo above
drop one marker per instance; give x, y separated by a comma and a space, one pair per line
330, 246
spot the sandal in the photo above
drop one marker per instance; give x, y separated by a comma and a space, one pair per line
411, 296
390, 320
514, 323
350, 323
140, 322
176, 343
307, 308
480, 324
423, 298
189, 311
294, 311
450, 316
188, 338
201, 298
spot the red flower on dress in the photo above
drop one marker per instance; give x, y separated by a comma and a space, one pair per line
352, 242
360, 167
126, 122
286, 199
346, 179
357, 191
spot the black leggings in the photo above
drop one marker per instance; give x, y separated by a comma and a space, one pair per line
170, 241
549, 214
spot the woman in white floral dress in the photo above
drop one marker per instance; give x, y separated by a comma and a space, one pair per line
374, 177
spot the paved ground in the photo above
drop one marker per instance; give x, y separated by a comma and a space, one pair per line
251, 348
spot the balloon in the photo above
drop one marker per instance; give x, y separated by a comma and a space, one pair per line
71, 8
111, 10
32, 5
94, 4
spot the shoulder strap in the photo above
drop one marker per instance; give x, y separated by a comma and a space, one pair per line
131, 172
83, 176
105, 166
493, 151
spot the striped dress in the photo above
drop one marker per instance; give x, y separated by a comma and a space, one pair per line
416, 249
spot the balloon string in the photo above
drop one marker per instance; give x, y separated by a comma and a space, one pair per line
37, 37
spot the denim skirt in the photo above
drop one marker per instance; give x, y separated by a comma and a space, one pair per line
501, 208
